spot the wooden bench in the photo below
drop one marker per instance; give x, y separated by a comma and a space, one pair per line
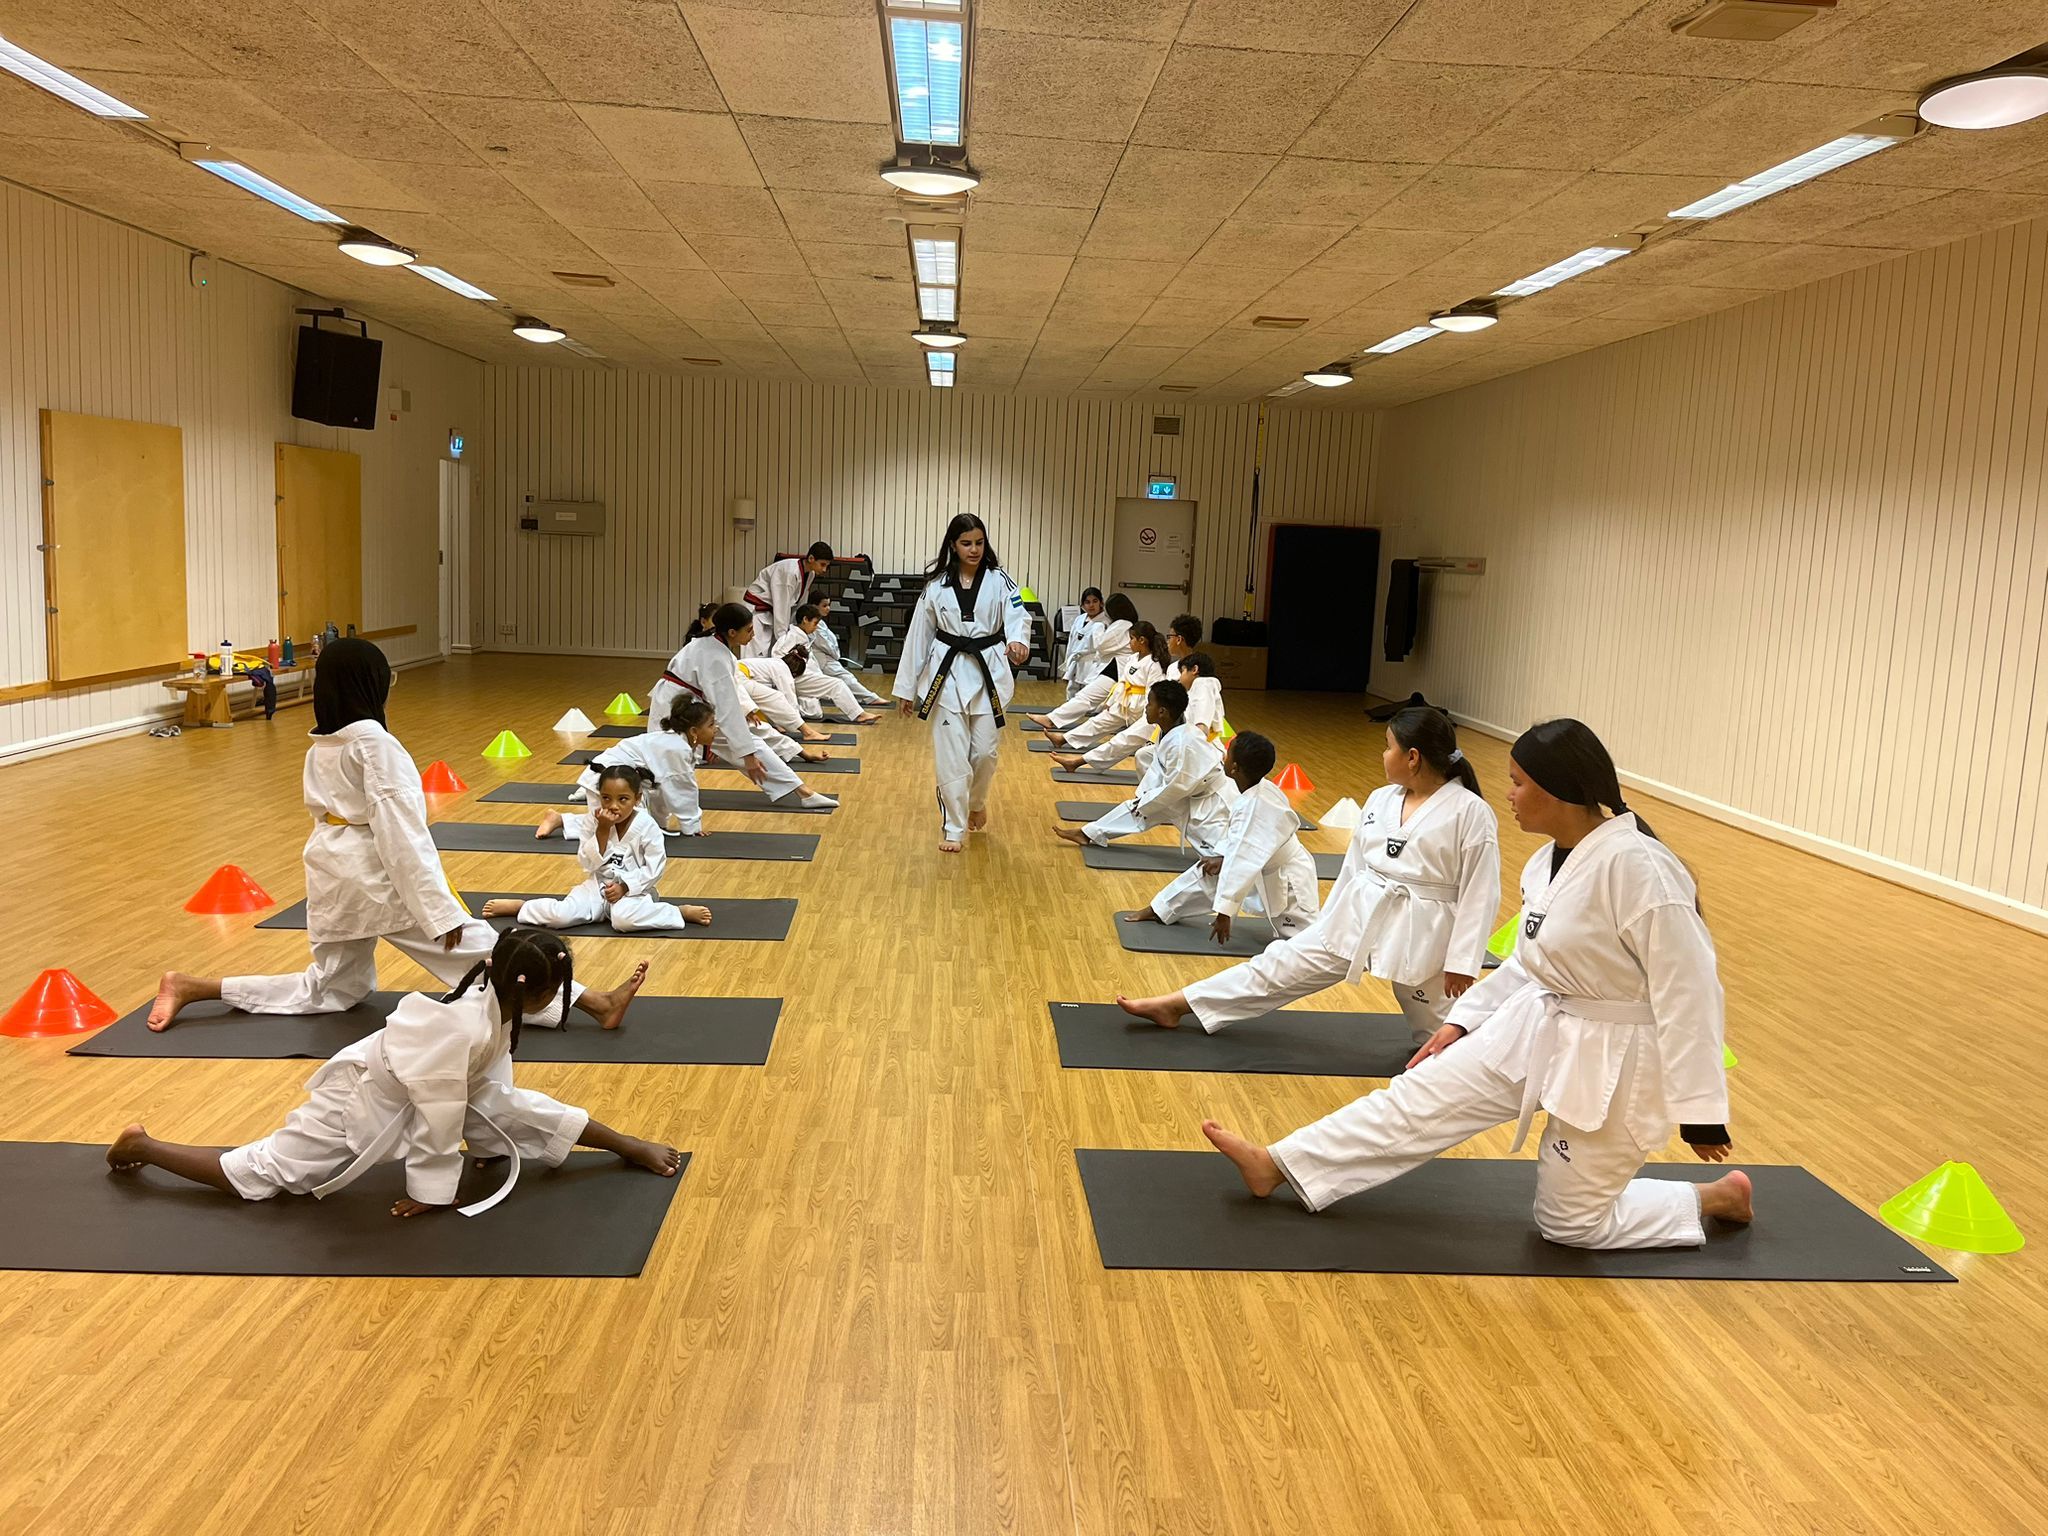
208, 703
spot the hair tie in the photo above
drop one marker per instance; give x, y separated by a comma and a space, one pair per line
1457, 755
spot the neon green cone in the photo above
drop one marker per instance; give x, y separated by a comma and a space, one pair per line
621, 707
506, 745
1953, 1208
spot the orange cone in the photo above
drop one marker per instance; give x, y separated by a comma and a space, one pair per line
228, 890
439, 779
1292, 781
56, 1003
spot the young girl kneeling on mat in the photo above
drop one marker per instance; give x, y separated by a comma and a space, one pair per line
438, 1073
622, 852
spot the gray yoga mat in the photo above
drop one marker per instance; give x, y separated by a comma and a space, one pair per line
732, 917
66, 1210
1168, 860
1102, 1035
585, 756
1025, 724
1248, 936
802, 770
516, 837
1125, 776
1042, 745
525, 792
1465, 1216
619, 732
1095, 810
665, 1031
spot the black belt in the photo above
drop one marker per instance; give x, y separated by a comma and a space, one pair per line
955, 646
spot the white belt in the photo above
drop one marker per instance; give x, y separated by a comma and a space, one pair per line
1543, 1045
380, 1147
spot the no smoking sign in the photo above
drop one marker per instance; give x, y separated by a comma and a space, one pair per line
1148, 537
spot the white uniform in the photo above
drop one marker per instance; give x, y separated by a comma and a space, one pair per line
634, 855
1183, 788
815, 682
774, 596
1608, 1017
707, 668
1263, 863
437, 1074
1204, 716
1411, 903
1094, 644
825, 656
1089, 689
1126, 706
771, 689
667, 755
963, 715
371, 873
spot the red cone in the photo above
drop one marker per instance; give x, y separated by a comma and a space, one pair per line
228, 890
56, 1003
439, 779
1293, 781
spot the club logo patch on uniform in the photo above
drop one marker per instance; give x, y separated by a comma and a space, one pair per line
1533, 922
1395, 845
1562, 1148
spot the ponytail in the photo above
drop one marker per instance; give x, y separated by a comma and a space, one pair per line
1568, 762
1147, 634
524, 961
685, 713
1429, 733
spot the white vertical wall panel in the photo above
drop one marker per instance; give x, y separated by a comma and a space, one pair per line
873, 471
1789, 560
99, 318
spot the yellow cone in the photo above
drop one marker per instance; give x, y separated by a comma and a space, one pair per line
621, 707
1728, 1061
1502, 944
506, 745
1953, 1208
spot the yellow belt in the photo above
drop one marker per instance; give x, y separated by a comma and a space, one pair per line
335, 821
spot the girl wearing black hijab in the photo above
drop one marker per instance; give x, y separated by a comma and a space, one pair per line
1608, 1018
372, 871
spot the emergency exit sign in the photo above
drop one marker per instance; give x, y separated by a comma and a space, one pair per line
1162, 488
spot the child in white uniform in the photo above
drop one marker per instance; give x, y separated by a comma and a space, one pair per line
623, 855
1197, 674
438, 1073
1143, 664
1262, 863
770, 683
1081, 658
825, 653
969, 629
708, 669
371, 868
1413, 905
779, 590
1183, 787
1608, 1017
667, 759
813, 683
1096, 672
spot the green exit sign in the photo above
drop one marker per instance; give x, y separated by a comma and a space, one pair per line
1161, 488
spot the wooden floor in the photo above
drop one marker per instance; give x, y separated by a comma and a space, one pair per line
876, 1306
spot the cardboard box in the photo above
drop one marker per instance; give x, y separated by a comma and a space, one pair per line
1239, 666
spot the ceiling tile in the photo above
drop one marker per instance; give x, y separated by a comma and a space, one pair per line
703, 210
1473, 197
1503, 31
1813, 210
870, 306
792, 312
1675, 261
980, 322
1755, 127
1304, 191
798, 154
1907, 46
370, 125
1052, 173
1139, 20
269, 40
29, 113
1058, 87
1015, 227
1294, 26
832, 216
577, 199
830, 259
623, 52
1645, 44
1940, 219
1670, 306
1015, 274
454, 46
1399, 111
626, 248
91, 38
1135, 236
1391, 253
1598, 206
1578, 121
1945, 158
777, 64
657, 144
1227, 98
1183, 183
329, 178
1257, 243
750, 253
536, 135
1235, 286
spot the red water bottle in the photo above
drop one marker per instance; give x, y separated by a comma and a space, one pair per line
275, 655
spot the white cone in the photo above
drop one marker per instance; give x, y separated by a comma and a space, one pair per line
575, 720
1343, 815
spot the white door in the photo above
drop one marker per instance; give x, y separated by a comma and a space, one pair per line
454, 587
1152, 560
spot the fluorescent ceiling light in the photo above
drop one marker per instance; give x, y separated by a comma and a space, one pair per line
42, 73
939, 369
938, 303
374, 250
1332, 377
1995, 99
923, 174
940, 338
928, 63
453, 283
1563, 271
1407, 338
936, 255
1801, 168
268, 190
526, 328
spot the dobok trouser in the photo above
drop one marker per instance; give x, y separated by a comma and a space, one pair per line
1192, 895
1587, 1192
344, 972
964, 762
1301, 966
586, 904
1092, 697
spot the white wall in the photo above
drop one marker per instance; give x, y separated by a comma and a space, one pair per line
98, 318
1791, 561
873, 471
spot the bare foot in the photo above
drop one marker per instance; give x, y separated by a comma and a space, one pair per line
1166, 1012
1729, 1198
174, 993
949, 845
866, 719
1142, 915
1072, 835
503, 906
550, 825
811, 733
1255, 1164
1073, 762
1043, 722
977, 821
699, 915
126, 1152
609, 1008
1057, 738
814, 755
651, 1155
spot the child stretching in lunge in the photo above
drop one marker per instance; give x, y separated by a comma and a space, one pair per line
1183, 787
622, 852
437, 1074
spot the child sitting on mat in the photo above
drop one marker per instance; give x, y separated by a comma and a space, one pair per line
1183, 787
438, 1073
799, 650
622, 854
667, 760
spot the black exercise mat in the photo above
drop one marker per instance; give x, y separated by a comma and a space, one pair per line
659, 1031
618, 732
1102, 1035
584, 757
517, 837
66, 1210
1466, 1216
1095, 810
801, 769
524, 792
1168, 860
1248, 937
732, 917
1126, 776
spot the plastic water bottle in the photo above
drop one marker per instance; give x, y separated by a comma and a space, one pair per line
227, 658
